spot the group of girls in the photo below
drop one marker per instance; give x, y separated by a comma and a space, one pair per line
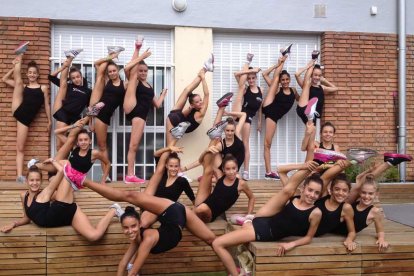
326, 204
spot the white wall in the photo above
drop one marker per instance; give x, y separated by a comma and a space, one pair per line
288, 15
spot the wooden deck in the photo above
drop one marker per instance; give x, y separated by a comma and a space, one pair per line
30, 250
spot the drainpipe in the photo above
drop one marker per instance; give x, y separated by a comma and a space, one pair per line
401, 86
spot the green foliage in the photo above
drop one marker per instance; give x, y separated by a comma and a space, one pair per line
390, 175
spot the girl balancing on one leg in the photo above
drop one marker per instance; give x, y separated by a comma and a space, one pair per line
111, 92
173, 217
226, 192
275, 105
54, 207
249, 100
282, 216
170, 185
311, 101
139, 98
180, 120
26, 102
72, 97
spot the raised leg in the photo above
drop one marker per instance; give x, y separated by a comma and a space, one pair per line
83, 226
22, 133
182, 99
18, 84
137, 130
204, 187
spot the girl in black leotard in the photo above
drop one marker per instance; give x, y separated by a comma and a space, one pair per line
172, 215
72, 97
171, 185
77, 149
249, 100
275, 105
328, 131
194, 114
226, 192
110, 91
26, 102
39, 207
139, 99
313, 86
282, 216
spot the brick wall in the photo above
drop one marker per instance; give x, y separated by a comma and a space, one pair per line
364, 66
12, 32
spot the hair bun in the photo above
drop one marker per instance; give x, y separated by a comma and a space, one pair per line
130, 209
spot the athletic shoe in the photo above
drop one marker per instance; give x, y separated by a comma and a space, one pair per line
209, 64
217, 130
396, 158
132, 179
74, 177
108, 180
310, 110
139, 41
322, 156
21, 179
224, 100
359, 155
178, 131
181, 174
73, 53
272, 176
22, 48
129, 267
94, 110
315, 54
285, 51
115, 49
249, 58
32, 162
118, 210
245, 175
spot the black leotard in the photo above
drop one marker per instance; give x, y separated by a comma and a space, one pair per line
81, 163
176, 116
330, 219
33, 98
360, 220
281, 105
252, 102
174, 191
50, 214
113, 96
172, 220
222, 198
322, 147
236, 149
291, 221
144, 96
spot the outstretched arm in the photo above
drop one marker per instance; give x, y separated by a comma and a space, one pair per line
8, 78
157, 102
133, 247
22, 221
328, 86
348, 215
266, 74
206, 92
379, 227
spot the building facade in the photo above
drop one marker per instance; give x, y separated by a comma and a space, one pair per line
359, 51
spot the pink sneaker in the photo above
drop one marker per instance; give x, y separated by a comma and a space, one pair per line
396, 158
74, 177
224, 100
243, 219
310, 110
322, 156
22, 48
132, 179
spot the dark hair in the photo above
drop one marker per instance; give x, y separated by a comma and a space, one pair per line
74, 69
369, 179
316, 177
34, 169
230, 121
328, 124
83, 131
227, 158
142, 63
191, 97
173, 155
33, 64
112, 63
317, 66
284, 72
340, 178
130, 212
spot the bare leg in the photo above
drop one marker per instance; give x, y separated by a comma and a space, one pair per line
182, 99
219, 115
137, 130
60, 96
237, 105
204, 187
46, 194
101, 132
246, 143
22, 132
198, 228
130, 100
269, 133
99, 83
239, 236
285, 169
147, 219
304, 97
18, 84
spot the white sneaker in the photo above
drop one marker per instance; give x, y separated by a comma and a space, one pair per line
73, 52
178, 131
21, 179
209, 64
310, 110
217, 130
118, 210
115, 49
249, 58
245, 175
32, 162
